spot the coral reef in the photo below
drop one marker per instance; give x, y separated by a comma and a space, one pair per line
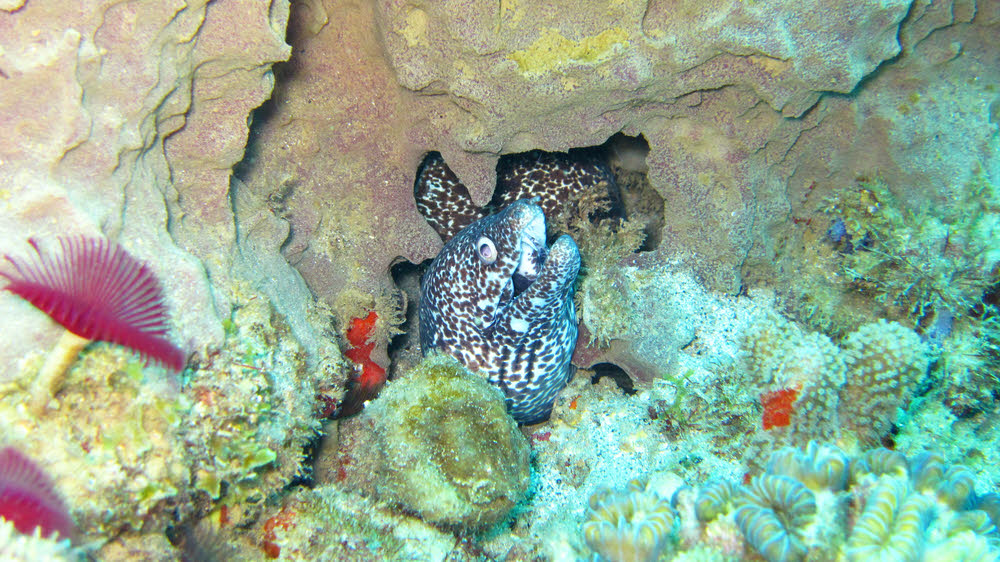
848, 393
252, 406
816, 504
124, 120
445, 447
236, 430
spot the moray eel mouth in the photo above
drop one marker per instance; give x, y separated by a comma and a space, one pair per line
533, 254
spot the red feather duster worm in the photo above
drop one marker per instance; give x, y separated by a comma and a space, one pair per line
97, 291
28, 498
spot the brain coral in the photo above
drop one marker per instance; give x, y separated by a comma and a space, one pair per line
631, 525
451, 454
773, 514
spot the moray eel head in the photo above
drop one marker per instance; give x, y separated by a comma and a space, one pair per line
500, 301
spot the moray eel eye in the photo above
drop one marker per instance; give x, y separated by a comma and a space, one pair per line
487, 250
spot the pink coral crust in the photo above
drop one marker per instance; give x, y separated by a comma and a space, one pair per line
96, 290
28, 498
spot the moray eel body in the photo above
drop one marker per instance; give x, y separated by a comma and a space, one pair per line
552, 177
501, 302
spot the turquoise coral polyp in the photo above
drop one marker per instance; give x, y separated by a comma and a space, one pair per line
633, 525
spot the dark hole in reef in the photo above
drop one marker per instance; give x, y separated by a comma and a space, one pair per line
404, 348
990, 302
627, 158
616, 374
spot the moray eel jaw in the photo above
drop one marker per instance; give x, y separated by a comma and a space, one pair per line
533, 254
501, 302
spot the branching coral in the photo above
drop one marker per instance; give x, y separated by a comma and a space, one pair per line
633, 525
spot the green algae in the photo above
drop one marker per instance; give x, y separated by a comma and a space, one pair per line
903, 259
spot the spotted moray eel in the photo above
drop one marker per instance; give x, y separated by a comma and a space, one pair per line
496, 297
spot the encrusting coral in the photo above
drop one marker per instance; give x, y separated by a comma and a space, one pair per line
817, 503
97, 291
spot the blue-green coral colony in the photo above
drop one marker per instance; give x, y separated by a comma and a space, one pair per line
814, 503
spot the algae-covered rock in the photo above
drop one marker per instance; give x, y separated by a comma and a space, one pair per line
451, 453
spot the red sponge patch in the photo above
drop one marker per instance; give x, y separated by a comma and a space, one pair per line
368, 382
778, 407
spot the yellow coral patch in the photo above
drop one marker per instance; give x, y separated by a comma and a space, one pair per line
415, 31
553, 50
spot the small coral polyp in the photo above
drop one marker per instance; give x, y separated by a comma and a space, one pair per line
631, 525
775, 511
